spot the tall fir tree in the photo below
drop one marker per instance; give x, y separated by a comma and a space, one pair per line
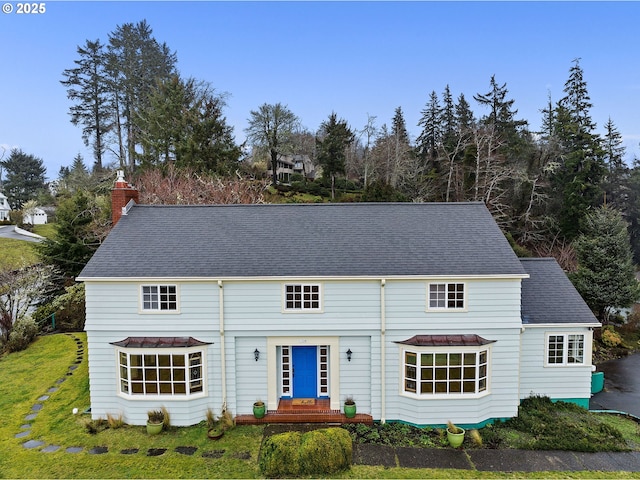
88, 89
578, 180
135, 61
334, 137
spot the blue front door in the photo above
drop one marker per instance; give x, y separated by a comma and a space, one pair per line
305, 372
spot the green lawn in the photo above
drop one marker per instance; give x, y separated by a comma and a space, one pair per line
16, 254
29, 374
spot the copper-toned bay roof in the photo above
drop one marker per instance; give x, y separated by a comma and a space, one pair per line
159, 342
446, 341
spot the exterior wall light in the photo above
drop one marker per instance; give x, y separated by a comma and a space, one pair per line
256, 354
349, 353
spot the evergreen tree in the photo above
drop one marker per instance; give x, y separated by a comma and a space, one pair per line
430, 138
606, 275
135, 61
334, 137
24, 178
183, 122
578, 180
78, 234
88, 89
615, 184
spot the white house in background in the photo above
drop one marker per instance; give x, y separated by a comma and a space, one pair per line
4, 208
36, 217
421, 312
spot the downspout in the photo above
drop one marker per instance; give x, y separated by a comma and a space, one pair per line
383, 363
223, 363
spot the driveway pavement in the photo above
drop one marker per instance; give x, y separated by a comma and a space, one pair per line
11, 231
621, 386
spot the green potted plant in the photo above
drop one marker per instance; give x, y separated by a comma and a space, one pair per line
455, 434
349, 407
155, 421
259, 409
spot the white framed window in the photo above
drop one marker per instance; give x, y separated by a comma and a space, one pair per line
447, 371
161, 298
446, 296
565, 349
301, 297
161, 372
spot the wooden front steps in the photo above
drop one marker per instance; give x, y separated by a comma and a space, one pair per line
320, 412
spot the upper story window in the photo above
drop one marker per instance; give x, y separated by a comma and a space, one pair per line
565, 349
446, 296
159, 297
302, 297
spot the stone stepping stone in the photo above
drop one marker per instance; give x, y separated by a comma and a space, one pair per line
31, 416
129, 451
53, 389
43, 398
98, 450
26, 433
155, 452
186, 450
73, 450
25, 426
242, 455
213, 454
37, 407
51, 448
73, 367
60, 380
33, 444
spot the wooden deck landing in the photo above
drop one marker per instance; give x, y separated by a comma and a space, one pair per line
319, 412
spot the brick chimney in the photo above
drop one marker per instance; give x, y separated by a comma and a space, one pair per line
121, 194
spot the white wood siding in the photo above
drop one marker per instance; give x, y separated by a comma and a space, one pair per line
351, 313
557, 382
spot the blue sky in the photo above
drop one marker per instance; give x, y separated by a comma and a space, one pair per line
354, 58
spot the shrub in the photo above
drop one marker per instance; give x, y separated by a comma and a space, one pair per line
610, 337
563, 426
323, 451
24, 332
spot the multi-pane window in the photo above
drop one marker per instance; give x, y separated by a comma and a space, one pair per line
565, 349
446, 296
159, 297
302, 297
430, 373
166, 373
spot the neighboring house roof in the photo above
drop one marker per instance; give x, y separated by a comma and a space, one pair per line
548, 296
305, 240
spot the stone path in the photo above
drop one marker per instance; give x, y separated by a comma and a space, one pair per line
25, 429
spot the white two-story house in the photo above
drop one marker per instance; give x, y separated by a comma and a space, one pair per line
421, 312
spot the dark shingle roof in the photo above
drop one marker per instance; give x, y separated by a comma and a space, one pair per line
305, 240
548, 296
